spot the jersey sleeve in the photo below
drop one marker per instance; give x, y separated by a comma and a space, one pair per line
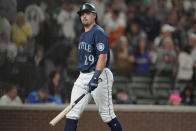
101, 42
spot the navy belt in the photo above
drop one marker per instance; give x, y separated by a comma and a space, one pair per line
87, 71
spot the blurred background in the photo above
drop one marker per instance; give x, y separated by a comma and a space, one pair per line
153, 59
152, 45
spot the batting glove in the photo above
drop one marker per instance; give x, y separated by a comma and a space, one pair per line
94, 81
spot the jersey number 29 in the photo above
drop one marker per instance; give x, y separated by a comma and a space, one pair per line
89, 60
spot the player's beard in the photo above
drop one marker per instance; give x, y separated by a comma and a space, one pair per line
86, 24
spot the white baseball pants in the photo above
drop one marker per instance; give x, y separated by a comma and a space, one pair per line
102, 95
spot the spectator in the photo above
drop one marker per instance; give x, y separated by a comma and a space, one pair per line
132, 16
166, 58
153, 56
133, 34
11, 9
100, 8
119, 5
55, 86
185, 70
27, 50
7, 47
41, 97
37, 71
180, 34
192, 40
190, 23
123, 60
161, 10
192, 43
189, 4
20, 30
175, 99
166, 31
193, 54
116, 24
56, 57
178, 6
187, 96
34, 16
192, 29
122, 97
142, 57
150, 24
4, 23
66, 19
11, 97
172, 18
49, 32
39, 51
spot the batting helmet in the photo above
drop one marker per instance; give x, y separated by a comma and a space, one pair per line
87, 7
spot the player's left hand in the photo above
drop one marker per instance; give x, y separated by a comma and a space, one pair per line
94, 81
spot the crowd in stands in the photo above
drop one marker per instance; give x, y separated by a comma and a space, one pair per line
38, 45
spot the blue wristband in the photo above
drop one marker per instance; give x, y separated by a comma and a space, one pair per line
97, 73
94, 81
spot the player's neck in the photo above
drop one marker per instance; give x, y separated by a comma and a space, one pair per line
87, 28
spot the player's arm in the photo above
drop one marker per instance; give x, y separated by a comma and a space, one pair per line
102, 47
101, 62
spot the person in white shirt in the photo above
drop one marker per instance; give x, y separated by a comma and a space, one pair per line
185, 70
10, 97
6, 47
114, 19
34, 16
101, 7
192, 43
66, 19
4, 23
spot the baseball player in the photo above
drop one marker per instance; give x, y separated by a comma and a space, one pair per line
95, 76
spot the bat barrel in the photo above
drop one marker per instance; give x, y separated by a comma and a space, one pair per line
62, 114
57, 118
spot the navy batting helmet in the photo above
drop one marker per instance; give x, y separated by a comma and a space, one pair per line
87, 7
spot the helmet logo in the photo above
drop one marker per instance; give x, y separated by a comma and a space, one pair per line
88, 8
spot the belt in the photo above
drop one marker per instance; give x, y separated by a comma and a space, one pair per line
87, 71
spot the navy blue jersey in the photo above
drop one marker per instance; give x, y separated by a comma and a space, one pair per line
91, 45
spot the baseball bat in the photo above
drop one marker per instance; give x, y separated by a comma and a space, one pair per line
62, 114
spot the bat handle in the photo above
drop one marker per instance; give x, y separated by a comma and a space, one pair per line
76, 101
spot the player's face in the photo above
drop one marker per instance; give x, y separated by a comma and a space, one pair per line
87, 18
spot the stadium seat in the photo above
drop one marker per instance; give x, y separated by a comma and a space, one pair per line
120, 82
140, 89
162, 87
180, 85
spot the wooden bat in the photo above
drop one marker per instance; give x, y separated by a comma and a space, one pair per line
62, 114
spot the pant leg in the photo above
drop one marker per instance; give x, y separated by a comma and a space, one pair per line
80, 87
102, 96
